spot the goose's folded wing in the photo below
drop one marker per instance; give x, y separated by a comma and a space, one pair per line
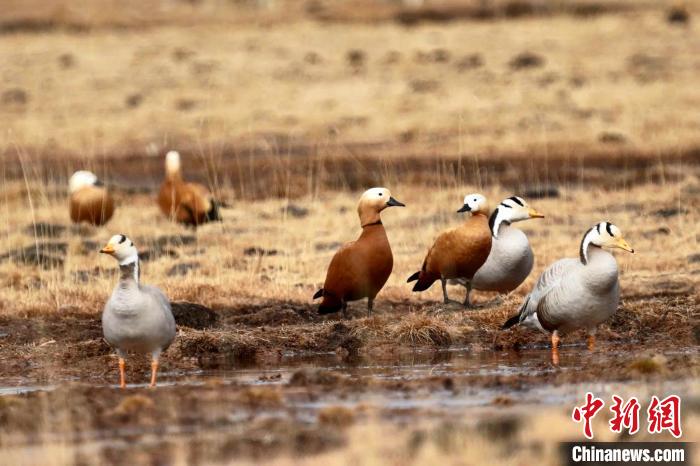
550, 279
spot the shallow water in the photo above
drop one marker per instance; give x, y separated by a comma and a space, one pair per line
457, 365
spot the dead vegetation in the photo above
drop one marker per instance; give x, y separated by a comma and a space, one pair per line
287, 123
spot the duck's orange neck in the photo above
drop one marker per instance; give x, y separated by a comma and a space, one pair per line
368, 215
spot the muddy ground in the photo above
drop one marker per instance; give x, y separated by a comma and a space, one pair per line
275, 379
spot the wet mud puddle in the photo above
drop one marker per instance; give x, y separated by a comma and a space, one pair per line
438, 381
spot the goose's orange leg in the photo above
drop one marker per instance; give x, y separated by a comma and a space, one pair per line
591, 342
555, 348
154, 371
122, 376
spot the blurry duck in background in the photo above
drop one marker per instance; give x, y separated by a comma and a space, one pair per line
510, 260
137, 318
458, 252
576, 293
191, 204
360, 268
90, 202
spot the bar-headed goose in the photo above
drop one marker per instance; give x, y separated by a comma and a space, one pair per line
137, 318
90, 201
360, 268
576, 293
189, 203
510, 260
458, 252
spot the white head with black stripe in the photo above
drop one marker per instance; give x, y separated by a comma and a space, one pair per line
122, 249
510, 210
603, 234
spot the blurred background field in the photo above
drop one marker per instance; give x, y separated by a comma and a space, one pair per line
288, 110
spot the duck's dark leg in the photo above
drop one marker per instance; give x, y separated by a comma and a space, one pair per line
468, 286
445, 298
370, 305
345, 310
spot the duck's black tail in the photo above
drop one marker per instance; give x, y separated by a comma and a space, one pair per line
214, 215
423, 280
515, 320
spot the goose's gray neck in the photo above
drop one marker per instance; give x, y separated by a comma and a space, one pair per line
600, 271
129, 274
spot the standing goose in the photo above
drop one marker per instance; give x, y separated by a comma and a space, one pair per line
360, 268
576, 293
458, 252
89, 200
137, 318
510, 260
189, 203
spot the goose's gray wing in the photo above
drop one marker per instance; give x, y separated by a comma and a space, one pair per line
550, 279
162, 305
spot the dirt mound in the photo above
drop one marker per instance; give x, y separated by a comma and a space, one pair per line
193, 315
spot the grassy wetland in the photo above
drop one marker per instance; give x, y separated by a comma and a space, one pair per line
288, 111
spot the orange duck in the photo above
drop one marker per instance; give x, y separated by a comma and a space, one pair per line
360, 268
189, 203
90, 201
458, 252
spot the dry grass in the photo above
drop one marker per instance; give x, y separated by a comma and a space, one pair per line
413, 90
289, 123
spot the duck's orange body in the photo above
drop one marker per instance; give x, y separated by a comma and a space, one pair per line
189, 203
89, 201
360, 268
457, 253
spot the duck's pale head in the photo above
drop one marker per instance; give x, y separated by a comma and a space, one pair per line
172, 162
82, 179
475, 204
372, 202
122, 249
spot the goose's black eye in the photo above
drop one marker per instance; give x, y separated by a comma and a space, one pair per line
381, 194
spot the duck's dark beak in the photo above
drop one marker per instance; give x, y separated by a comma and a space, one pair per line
465, 208
394, 203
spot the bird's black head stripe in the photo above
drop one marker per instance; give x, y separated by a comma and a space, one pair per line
122, 239
505, 205
608, 226
581, 251
597, 228
492, 219
516, 200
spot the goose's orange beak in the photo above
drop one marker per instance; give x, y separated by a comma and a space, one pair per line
109, 249
534, 214
622, 244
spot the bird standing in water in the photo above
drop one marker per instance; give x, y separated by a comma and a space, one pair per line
576, 293
137, 318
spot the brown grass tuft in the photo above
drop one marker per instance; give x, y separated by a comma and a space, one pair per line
418, 329
337, 416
